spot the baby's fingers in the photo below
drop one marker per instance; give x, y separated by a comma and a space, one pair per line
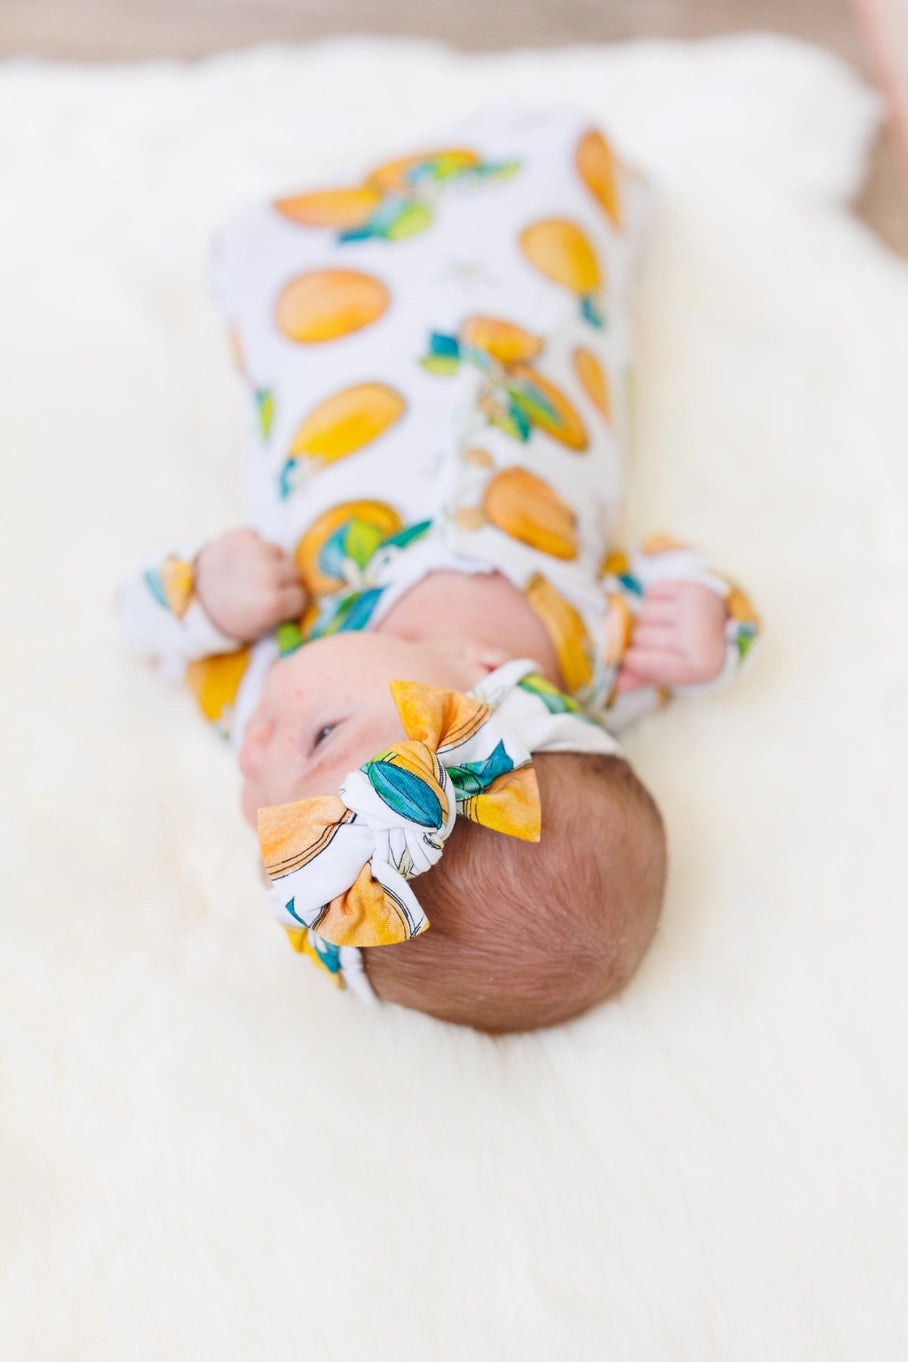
287, 573
661, 638
628, 680
289, 602
657, 611
277, 558
273, 550
658, 666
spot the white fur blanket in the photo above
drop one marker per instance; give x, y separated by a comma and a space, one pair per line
206, 1152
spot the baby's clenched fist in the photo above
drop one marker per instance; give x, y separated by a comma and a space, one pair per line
247, 586
678, 638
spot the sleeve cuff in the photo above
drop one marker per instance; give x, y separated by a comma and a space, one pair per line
163, 618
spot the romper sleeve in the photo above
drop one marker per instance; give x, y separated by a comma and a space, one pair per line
164, 621
625, 580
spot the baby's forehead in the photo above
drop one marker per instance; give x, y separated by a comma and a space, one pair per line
370, 658
356, 644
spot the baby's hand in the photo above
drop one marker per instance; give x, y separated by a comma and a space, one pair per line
678, 638
246, 586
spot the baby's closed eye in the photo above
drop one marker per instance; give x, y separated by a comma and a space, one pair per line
323, 733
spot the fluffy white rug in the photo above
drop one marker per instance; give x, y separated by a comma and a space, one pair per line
207, 1153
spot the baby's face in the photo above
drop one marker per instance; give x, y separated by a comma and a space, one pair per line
327, 708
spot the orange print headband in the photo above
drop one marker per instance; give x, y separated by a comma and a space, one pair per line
341, 865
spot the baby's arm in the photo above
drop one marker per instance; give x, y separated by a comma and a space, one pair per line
690, 627
233, 591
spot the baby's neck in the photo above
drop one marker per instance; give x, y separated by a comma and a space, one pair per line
483, 607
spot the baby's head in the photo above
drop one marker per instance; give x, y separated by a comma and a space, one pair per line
523, 935
526, 935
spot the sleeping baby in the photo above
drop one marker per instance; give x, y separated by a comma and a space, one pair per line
423, 643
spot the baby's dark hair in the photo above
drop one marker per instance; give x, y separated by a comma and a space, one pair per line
525, 935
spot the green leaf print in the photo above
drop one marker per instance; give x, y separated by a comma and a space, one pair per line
288, 639
440, 364
442, 344
513, 422
407, 535
264, 402
444, 354
412, 218
361, 541
474, 777
532, 402
495, 170
592, 312
745, 637
405, 793
555, 701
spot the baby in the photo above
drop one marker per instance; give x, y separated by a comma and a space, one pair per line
423, 646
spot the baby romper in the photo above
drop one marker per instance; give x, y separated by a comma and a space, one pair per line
437, 358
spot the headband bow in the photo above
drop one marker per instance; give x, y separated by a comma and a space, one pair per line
340, 864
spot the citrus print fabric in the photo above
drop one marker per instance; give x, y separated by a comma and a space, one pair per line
436, 361
564, 253
436, 356
341, 864
435, 352
394, 200
514, 396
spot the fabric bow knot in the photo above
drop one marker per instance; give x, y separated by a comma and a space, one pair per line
340, 864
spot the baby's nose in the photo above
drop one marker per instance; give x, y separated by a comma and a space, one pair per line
255, 741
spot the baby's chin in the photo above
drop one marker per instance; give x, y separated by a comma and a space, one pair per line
250, 802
